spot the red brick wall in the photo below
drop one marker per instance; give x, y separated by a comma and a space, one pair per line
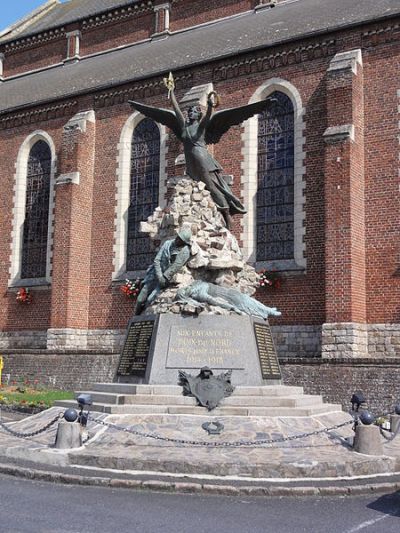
382, 182
116, 34
35, 57
302, 298
13, 315
72, 231
185, 14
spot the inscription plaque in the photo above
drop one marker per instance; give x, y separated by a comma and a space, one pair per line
206, 345
133, 361
269, 363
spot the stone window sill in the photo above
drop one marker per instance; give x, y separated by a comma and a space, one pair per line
31, 283
136, 274
286, 267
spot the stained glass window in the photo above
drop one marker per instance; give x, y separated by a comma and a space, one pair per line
34, 244
145, 175
275, 192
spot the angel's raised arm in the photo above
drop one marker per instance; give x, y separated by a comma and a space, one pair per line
206, 117
160, 115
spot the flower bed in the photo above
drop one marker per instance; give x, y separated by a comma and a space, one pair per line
29, 399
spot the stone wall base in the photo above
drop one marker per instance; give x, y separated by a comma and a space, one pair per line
339, 340
384, 340
350, 339
297, 341
23, 339
82, 339
68, 371
337, 379
345, 339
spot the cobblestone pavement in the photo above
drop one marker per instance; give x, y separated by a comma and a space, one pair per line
111, 453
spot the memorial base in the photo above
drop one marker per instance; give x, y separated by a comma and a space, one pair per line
157, 347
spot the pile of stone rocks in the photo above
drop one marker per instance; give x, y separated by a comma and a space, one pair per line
216, 256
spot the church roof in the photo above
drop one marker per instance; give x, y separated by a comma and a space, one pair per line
60, 14
252, 30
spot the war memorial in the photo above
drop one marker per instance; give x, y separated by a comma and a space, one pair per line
184, 159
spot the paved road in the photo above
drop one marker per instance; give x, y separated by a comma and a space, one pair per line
35, 507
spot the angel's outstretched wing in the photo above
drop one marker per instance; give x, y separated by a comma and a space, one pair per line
163, 116
221, 121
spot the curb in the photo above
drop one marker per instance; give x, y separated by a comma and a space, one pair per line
198, 488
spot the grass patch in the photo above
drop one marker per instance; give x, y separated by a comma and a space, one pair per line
31, 397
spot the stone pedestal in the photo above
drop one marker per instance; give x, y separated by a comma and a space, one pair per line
157, 347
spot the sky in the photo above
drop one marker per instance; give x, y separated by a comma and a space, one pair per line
13, 10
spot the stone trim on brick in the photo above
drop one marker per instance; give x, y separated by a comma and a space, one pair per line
19, 202
61, 339
249, 178
346, 339
117, 14
346, 60
336, 134
80, 120
39, 115
71, 177
162, 17
122, 191
384, 340
261, 62
73, 45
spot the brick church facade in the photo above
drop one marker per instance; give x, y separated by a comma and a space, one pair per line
318, 174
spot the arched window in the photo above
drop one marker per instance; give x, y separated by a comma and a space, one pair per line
275, 177
144, 192
36, 223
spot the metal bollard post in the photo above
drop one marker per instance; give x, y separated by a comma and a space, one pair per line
394, 423
69, 434
367, 440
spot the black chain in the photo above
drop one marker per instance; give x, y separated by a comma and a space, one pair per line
232, 444
33, 433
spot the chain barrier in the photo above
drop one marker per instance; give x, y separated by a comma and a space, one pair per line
32, 433
209, 444
215, 444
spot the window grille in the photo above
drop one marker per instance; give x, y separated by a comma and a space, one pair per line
275, 191
35, 230
144, 191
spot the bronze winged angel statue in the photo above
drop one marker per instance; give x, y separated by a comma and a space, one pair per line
196, 132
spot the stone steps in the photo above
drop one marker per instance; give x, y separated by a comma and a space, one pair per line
128, 388
232, 401
196, 410
269, 400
